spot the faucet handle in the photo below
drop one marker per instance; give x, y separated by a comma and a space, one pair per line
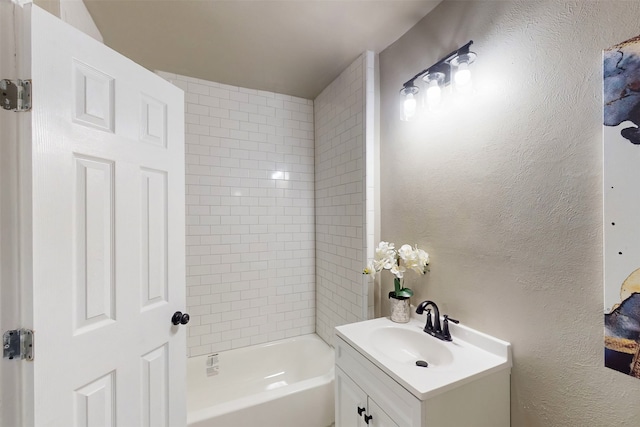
429, 325
445, 326
447, 318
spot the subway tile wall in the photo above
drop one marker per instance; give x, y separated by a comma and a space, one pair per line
341, 232
250, 215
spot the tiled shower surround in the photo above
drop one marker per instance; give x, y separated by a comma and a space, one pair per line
260, 194
342, 139
250, 215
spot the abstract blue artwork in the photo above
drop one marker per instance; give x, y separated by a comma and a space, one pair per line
621, 151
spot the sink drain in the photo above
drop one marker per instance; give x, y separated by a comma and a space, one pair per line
422, 363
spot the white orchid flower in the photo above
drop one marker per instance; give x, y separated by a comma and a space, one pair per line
370, 270
409, 257
385, 256
405, 251
398, 270
424, 259
413, 258
398, 262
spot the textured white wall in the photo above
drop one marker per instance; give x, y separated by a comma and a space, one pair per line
505, 192
340, 168
250, 215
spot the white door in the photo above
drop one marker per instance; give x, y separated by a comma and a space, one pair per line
107, 171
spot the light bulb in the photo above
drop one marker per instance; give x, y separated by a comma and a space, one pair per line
434, 95
463, 75
409, 106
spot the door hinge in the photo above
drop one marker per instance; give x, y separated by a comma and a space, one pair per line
15, 95
18, 344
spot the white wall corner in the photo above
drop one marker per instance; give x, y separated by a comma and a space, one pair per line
75, 13
21, 3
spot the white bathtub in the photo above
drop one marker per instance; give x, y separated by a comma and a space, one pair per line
287, 383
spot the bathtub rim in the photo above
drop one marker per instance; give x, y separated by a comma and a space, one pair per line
311, 336
212, 411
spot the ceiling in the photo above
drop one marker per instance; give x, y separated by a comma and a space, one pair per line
294, 47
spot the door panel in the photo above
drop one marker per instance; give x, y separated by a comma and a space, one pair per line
108, 227
94, 403
155, 396
93, 93
153, 238
93, 246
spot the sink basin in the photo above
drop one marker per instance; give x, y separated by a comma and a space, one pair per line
408, 346
396, 347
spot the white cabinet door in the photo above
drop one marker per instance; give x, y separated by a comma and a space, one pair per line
354, 408
107, 217
378, 417
351, 402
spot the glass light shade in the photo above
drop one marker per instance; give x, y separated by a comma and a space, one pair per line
409, 106
433, 95
409, 103
462, 73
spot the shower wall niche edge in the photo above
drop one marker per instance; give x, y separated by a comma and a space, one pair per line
345, 192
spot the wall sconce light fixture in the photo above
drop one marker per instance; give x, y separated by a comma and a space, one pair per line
454, 66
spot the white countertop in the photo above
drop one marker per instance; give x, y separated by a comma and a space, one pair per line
475, 354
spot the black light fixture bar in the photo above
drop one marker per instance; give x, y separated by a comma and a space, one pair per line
440, 66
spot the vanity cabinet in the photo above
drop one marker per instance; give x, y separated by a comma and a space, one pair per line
353, 406
360, 383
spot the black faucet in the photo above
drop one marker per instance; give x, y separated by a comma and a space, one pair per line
433, 328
